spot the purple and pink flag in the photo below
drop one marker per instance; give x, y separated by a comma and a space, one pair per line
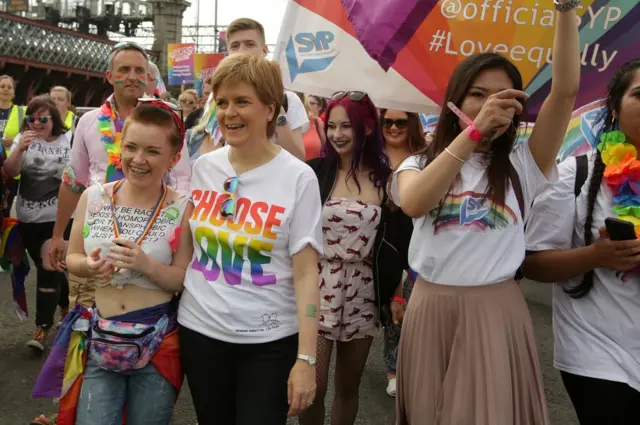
402, 52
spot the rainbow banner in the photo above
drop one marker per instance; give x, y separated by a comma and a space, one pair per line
402, 52
204, 65
180, 61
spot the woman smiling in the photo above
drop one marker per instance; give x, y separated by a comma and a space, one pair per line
41, 152
248, 316
125, 238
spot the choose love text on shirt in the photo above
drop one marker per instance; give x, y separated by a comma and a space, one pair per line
247, 239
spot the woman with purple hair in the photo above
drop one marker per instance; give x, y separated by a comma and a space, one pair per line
365, 249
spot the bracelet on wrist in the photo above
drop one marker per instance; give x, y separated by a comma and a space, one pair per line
398, 300
462, 161
474, 134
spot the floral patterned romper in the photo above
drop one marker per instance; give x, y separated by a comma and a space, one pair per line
347, 294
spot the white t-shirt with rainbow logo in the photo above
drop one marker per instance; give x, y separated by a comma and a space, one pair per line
239, 284
475, 241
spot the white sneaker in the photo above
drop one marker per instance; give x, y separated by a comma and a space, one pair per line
391, 387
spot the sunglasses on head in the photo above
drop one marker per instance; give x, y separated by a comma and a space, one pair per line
355, 96
31, 119
399, 123
175, 110
228, 207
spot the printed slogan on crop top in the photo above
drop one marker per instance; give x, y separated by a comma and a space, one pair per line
239, 285
98, 231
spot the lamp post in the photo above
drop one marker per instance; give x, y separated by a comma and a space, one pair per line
215, 28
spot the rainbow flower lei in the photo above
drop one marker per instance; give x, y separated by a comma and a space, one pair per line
622, 174
106, 123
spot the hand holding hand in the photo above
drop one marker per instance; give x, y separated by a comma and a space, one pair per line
302, 387
498, 112
98, 267
616, 255
127, 254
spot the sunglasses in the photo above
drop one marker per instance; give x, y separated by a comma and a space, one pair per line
355, 96
228, 207
399, 123
175, 110
42, 120
188, 102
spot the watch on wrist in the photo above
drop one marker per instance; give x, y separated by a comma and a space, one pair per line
565, 6
282, 121
309, 359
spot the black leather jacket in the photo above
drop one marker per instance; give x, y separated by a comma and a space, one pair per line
390, 250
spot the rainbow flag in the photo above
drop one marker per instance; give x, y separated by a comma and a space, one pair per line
406, 50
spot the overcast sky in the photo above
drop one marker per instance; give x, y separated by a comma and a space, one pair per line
267, 12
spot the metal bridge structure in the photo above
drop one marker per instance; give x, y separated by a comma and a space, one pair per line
67, 42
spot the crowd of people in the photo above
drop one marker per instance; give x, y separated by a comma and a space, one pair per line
236, 237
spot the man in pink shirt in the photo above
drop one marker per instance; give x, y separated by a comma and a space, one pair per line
95, 152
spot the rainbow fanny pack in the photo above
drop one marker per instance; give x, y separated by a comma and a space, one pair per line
123, 346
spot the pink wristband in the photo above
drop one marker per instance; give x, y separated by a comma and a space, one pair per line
399, 300
474, 134
472, 131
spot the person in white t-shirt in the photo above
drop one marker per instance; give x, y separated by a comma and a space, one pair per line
248, 315
246, 35
467, 351
596, 302
40, 153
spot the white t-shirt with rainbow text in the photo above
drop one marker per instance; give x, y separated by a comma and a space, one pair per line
239, 284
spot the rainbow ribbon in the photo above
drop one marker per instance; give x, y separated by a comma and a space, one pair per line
152, 219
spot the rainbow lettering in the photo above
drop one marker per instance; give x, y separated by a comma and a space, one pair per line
470, 211
228, 245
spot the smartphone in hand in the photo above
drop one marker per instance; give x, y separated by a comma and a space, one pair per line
620, 230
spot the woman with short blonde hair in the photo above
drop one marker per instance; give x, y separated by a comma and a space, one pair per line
188, 102
248, 315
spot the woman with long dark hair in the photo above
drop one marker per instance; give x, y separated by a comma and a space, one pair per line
596, 302
364, 249
467, 350
40, 153
402, 134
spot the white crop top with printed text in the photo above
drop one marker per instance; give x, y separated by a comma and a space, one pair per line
98, 231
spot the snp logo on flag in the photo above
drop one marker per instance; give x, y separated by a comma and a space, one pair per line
309, 52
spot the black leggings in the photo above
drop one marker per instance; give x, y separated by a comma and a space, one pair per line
601, 402
53, 288
238, 384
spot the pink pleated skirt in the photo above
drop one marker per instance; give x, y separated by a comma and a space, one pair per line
467, 356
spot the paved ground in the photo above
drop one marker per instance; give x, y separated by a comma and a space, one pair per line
18, 369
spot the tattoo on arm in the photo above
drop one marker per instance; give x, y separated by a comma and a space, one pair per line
312, 311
